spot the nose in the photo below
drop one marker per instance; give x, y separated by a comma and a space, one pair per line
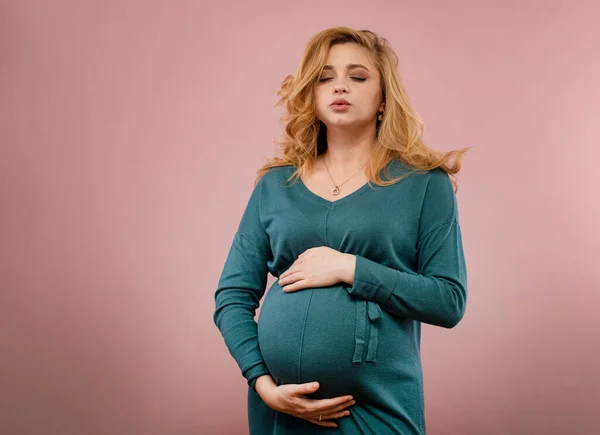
340, 88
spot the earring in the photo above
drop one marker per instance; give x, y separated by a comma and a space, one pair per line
380, 117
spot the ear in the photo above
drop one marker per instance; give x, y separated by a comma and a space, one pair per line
382, 107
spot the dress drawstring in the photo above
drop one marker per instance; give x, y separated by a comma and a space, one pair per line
366, 311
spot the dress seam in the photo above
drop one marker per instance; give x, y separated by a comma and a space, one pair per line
450, 221
264, 251
326, 226
302, 340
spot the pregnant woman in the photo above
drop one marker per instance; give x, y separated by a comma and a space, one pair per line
358, 220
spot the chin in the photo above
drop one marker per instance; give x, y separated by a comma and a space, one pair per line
340, 122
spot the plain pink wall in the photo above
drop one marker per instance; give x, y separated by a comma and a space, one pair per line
130, 136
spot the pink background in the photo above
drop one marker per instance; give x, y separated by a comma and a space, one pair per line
130, 135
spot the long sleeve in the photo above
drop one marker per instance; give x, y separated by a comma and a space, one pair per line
240, 288
437, 294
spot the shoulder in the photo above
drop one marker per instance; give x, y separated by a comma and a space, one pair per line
439, 203
431, 181
439, 183
277, 173
275, 177
273, 180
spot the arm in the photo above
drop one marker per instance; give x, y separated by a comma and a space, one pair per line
437, 293
240, 288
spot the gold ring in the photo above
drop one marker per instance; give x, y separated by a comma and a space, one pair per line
320, 417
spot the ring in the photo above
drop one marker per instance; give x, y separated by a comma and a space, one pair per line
320, 417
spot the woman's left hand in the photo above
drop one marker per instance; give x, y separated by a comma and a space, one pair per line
318, 267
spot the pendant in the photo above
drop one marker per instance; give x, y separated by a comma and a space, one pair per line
335, 191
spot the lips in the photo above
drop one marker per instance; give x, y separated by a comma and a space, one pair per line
340, 102
340, 105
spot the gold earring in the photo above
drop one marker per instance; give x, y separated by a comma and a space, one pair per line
380, 117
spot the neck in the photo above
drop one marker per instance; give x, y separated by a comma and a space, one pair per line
347, 150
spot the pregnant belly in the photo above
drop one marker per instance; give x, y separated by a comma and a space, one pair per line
308, 336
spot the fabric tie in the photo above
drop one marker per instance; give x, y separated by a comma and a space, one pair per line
366, 311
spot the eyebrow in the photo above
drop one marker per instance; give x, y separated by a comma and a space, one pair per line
348, 67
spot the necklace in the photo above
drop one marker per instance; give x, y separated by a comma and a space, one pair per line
336, 187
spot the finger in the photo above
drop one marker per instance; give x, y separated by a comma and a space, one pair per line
291, 278
324, 419
324, 405
293, 269
307, 388
311, 408
300, 390
324, 423
335, 415
298, 285
338, 408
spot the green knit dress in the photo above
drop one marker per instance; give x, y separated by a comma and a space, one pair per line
363, 339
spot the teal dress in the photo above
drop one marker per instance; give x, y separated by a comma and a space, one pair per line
364, 339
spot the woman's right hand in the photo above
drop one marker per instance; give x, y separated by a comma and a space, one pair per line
290, 399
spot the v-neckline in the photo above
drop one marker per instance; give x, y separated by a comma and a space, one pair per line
318, 198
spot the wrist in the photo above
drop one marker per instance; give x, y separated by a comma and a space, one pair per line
347, 271
263, 385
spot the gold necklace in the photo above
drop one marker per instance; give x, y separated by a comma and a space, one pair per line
336, 187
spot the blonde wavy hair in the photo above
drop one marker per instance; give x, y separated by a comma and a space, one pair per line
398, 136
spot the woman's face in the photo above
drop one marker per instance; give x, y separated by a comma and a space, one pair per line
348, 74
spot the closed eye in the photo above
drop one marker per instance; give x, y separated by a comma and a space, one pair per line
359, 79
